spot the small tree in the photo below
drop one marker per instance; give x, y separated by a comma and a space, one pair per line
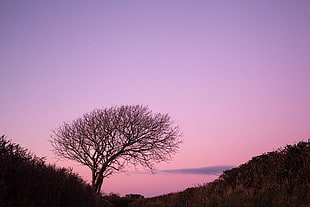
106, 140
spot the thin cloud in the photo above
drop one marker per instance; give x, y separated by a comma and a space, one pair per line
211, 170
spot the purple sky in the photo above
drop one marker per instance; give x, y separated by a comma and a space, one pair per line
235, 75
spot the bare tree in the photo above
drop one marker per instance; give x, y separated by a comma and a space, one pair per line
106, 140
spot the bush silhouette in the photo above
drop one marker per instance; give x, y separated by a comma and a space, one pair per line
25, 180
280, 179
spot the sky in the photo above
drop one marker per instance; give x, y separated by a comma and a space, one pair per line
234, 75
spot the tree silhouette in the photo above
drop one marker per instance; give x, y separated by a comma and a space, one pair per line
106, 140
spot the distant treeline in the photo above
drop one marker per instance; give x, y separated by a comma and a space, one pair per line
277, 179
26, 181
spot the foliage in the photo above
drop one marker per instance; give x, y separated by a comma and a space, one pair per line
25, 180
118, 201
280, 179
106, 140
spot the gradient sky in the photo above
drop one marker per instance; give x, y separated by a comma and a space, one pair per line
234, 75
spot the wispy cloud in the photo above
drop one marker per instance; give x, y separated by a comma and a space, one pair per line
211, 170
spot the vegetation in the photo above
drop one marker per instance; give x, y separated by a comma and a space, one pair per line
118, 201
106, 140
279, 179
25, 180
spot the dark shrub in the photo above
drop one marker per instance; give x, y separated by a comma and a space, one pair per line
25, 180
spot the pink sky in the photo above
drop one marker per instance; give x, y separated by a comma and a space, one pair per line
233, 74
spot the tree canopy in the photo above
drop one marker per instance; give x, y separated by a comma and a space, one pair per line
108, 139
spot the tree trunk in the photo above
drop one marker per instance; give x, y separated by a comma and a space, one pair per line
98, 184
97, 178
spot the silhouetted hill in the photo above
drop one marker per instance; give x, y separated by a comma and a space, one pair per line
279, 179
26, 181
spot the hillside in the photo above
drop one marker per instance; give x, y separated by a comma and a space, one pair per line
279, 179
